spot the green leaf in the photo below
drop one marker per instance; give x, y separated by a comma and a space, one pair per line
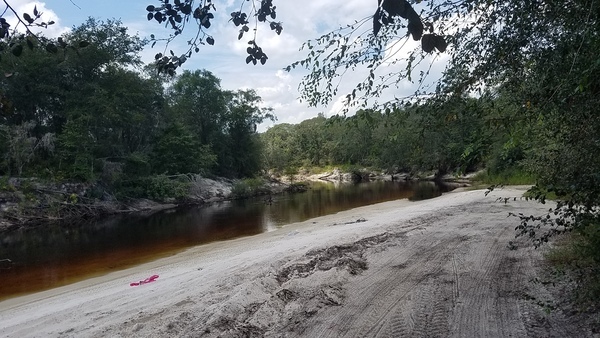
440, 43
28, 18
17, 50
428, 43
51, 48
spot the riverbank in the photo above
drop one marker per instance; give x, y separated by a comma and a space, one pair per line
30, 202
440, 267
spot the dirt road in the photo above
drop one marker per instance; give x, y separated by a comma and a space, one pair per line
436, 268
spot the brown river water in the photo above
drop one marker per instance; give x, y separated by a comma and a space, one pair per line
53, 256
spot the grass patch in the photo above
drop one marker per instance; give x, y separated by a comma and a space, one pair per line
513, 176
576, 254
548, 195
346, 168
249, 187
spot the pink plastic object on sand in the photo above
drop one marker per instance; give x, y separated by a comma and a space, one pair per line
145, 281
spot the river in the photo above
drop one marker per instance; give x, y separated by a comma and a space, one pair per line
57, 255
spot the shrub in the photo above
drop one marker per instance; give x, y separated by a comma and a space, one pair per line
579, 254
159, 187
509, 176
250, 187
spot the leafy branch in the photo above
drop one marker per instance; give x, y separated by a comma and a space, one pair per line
177, 15
16, 42
347, 48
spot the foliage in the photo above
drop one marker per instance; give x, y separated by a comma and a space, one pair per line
443, 137
159, 187
243, 116
181, 13
15, 42
250, 187
560, 95
177, 152
566, 216
510, 176
76, 148
577, 255
20, 146
137, 164
197, 101
94, 114
290, 173
109, 43
222, 121
277, 147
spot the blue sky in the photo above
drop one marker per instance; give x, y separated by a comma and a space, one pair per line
302, 20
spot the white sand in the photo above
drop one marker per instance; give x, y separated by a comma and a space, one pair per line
438, 267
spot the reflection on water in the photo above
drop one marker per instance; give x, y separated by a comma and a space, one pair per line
57, 255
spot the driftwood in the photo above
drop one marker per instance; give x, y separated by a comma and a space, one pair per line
58, 192
5, 264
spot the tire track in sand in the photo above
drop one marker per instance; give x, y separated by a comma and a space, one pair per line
452, 280
371, 313
482, 308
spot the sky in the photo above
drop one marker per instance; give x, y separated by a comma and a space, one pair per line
302, 21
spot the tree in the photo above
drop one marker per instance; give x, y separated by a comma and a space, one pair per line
221, 120
198, 101
178, 15
107, 43
99, 108
76, 149
33, 90
310, 139
353, 138
20, 146
244, 114
277, 150
177, 151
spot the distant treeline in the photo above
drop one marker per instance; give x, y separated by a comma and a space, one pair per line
456, 136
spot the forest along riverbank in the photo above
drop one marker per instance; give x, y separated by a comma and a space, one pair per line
31, 202
439, 267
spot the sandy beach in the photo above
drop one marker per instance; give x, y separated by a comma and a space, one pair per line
434, 268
